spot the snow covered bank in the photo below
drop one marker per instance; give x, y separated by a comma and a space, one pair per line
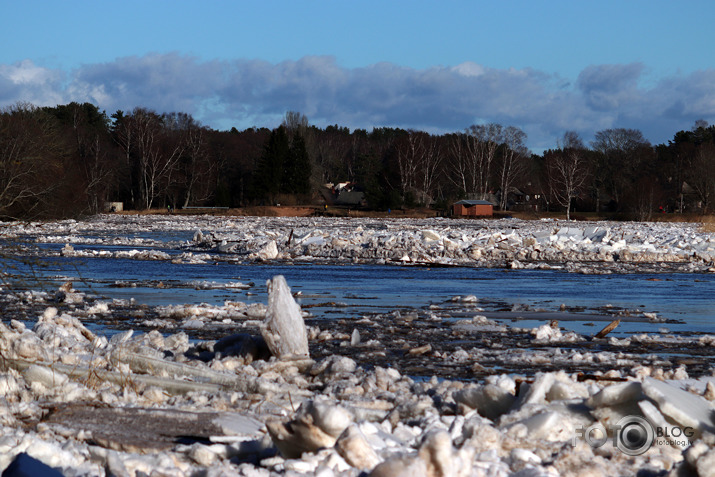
579, 246
512, 243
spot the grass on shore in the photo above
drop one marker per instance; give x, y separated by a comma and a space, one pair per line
708, 224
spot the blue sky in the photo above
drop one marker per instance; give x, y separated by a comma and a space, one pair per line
545, 67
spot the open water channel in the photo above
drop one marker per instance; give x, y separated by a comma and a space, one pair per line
683, 303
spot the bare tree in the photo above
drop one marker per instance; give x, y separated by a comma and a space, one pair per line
154, 144
429, 167
571, 140
97, 172
146, 126
644, 197
30, 159
567, 171
295, 122
512, 161
472, 156
90, 133
196, 169
409, 156
459, 162
485, 140
702, 174
332, 156
700, 124
621, 152
125, 137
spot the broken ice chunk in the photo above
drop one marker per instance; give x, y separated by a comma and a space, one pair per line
316, 425
241, 426
616, 394
269, 251
430, 236
685, 408
353, 446
489, 400
45, 376
284, 329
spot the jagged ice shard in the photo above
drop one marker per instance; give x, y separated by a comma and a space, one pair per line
284, 329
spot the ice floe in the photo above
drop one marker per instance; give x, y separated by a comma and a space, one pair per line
585, 247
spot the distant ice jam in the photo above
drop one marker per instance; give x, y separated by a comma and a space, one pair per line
634, 435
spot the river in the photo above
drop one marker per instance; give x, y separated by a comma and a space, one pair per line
683, 301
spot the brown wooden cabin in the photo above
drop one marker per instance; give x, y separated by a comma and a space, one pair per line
472, 208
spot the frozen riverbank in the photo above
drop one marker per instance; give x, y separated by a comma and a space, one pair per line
193, 390
587, 247
143, 403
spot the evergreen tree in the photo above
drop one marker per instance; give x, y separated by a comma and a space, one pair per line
270, 173
296, 179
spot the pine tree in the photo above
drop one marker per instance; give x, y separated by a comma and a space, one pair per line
270, 173
297, 168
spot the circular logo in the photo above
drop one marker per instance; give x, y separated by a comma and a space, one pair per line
634, 435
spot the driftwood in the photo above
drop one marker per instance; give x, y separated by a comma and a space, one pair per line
420, 350
610, 327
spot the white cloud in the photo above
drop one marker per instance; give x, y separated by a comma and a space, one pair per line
469, 68
245, 93
24, 81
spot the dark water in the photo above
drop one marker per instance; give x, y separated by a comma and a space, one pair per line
687, 301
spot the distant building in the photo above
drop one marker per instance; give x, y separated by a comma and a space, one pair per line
524, 200
472, 208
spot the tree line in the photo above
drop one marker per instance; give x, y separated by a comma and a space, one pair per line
71, 159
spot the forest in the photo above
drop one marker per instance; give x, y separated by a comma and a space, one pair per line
69, 160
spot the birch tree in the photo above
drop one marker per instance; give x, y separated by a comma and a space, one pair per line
472, 156
153, 145
459, 163
567, 171
429, 167
482, 147
512, 162
195, 175
409, 154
